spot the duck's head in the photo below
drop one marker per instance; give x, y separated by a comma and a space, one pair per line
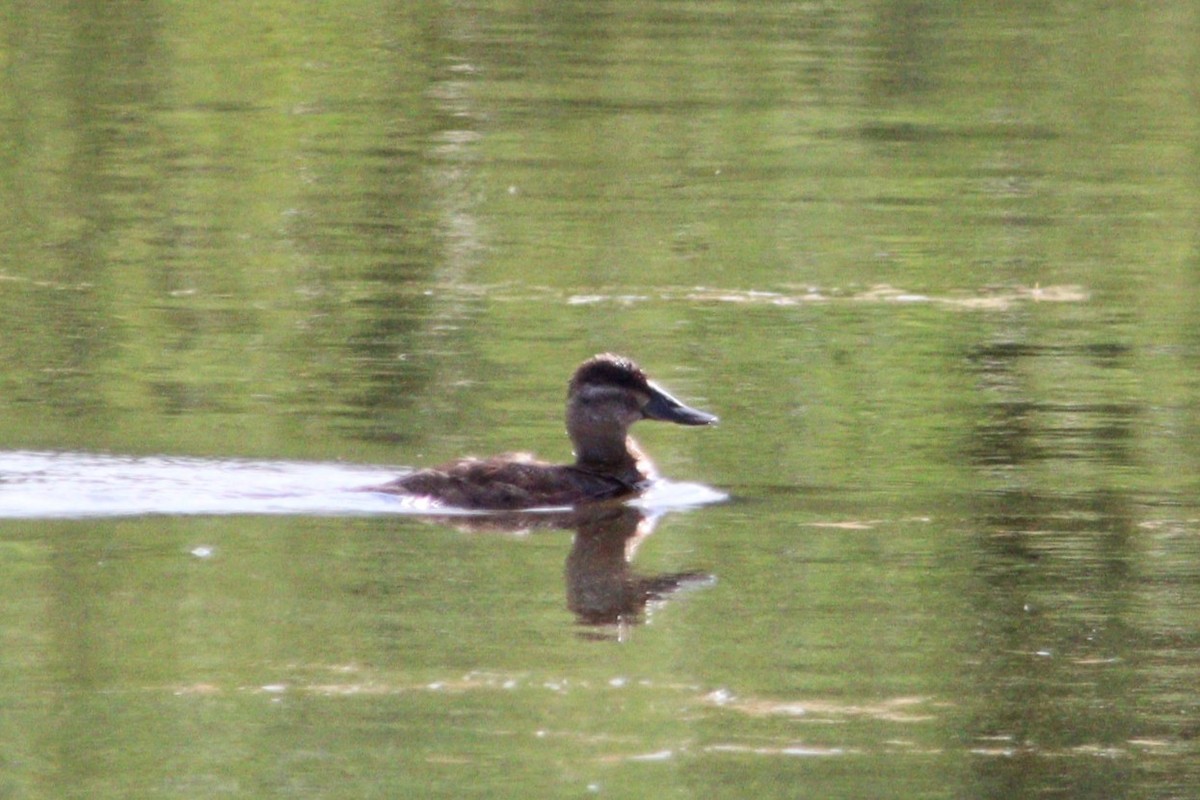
606, 395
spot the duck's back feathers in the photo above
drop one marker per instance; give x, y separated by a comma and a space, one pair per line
509, 482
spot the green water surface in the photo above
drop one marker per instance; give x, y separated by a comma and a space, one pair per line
933, 264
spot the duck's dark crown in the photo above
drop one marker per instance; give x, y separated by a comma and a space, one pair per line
611, 370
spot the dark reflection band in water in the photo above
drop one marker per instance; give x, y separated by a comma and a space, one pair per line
603, 590
1058, 645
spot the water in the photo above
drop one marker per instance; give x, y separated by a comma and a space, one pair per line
74, 485
932, 266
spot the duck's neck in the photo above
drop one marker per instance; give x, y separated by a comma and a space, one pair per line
607, 452
611, 452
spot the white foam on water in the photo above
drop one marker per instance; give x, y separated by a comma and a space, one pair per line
47, 485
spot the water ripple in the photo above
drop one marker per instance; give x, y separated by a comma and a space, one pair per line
48, 485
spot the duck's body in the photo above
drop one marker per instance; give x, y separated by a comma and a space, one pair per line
511, 481
604, 398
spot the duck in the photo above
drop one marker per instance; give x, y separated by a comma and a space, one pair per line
606, 395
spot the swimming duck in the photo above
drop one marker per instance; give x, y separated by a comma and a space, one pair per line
606, 395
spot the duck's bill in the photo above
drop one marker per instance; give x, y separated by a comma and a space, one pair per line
667, 409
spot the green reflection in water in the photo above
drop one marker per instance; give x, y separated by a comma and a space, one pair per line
933, 266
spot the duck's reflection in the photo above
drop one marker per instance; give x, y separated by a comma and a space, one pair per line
603, 590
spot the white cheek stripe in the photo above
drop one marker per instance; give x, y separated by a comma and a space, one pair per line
595, 393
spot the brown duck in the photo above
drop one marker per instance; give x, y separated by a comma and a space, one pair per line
607, 395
